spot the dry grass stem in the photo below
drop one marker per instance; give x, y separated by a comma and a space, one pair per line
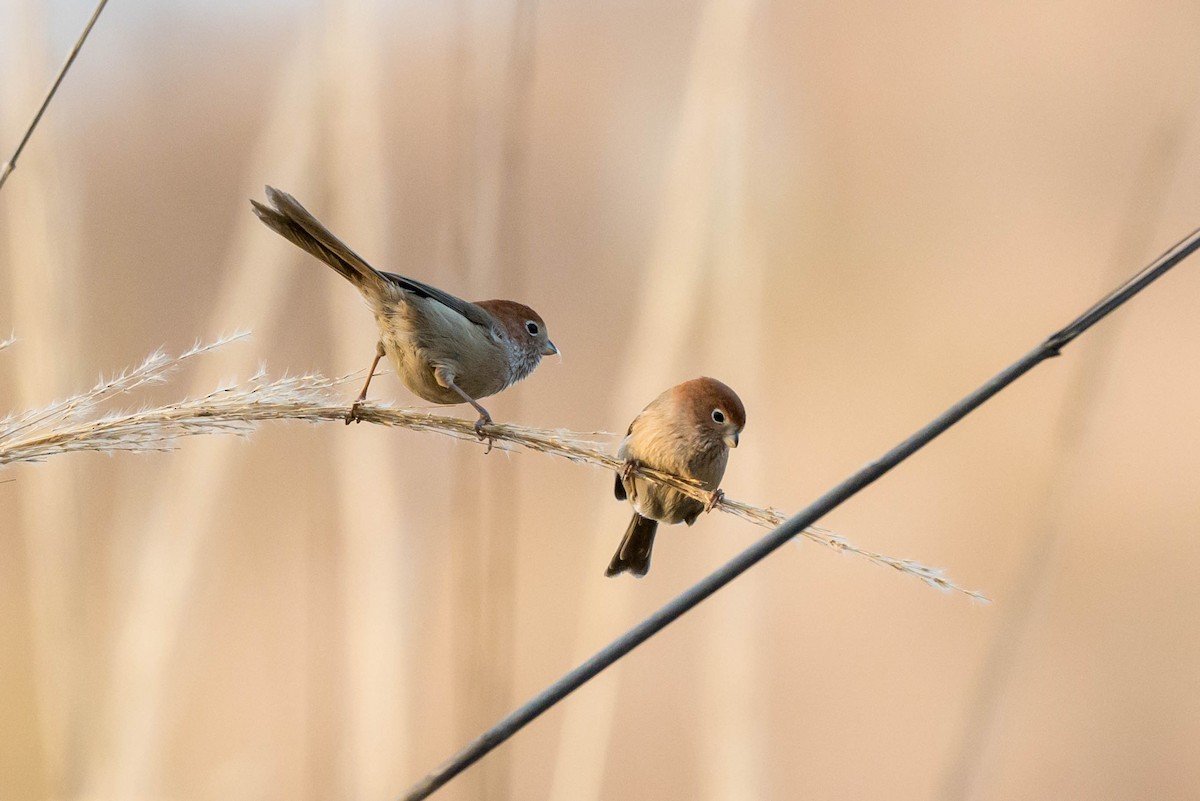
8, 166
75, 424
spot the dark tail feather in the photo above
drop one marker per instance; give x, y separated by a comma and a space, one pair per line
294, 223
634, 552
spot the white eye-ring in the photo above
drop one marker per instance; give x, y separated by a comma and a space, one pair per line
531, 327
718, 416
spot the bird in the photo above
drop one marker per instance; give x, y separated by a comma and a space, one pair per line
446, 350
686, 431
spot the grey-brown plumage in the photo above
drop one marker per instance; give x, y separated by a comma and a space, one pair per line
687, 431
445, 349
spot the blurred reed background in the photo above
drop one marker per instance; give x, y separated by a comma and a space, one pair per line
851, 212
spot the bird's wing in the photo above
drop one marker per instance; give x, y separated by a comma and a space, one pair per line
472, 311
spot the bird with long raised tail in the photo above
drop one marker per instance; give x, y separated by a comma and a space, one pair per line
445, 349
686, 431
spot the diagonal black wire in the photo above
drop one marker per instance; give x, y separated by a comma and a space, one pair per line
8, 166
688, 599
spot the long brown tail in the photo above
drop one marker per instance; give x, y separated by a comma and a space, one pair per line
297, 225
633, 554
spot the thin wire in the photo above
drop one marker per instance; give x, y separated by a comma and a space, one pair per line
691, 597
11, 164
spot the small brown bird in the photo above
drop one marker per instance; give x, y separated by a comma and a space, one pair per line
687, 431
446, 350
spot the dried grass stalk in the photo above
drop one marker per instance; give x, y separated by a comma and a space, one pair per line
75, 425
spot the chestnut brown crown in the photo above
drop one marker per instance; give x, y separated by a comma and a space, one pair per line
524, 326
715, 408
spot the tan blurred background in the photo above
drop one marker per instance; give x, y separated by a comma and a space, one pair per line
851, 212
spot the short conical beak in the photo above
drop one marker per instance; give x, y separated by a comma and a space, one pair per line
731, 439
550, 349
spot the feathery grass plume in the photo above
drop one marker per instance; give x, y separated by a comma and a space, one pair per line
584, 449
580, 447
72, 425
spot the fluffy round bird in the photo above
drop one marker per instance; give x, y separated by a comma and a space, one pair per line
687, 431
445, 349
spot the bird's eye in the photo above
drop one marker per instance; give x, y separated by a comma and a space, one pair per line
531, 327
718, 416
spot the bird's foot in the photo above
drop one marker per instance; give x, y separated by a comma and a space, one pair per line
715, 497
627, 471
484, 420
355, 413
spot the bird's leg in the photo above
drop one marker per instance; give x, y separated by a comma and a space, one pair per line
715, 497
484, 417
627, 478
352, 415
